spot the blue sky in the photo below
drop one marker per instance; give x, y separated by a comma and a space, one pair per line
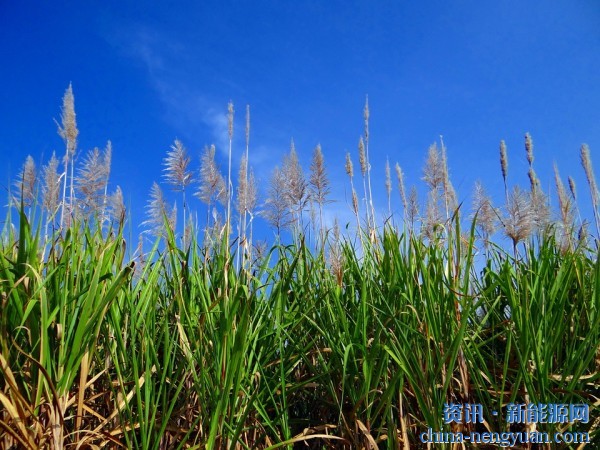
475, 72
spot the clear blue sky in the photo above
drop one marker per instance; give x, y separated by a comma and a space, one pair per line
144, 74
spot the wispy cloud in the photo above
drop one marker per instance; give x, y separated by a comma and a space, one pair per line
188, 108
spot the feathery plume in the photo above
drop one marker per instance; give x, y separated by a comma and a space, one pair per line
27, 181
413, 207
246, 200
230, 112
50, 192
361, 157
68, 127
69, 132
504, 166
565, 209
450, 202
503, 160
369, 193
529, 148
433, 173
355, 209
354, 202
251, 192
441, 195
176, 167
277, 210
349, 167
158, 213
573, 188
177, 175
51, 188
586, 162
117, 206
296, 187
350, 172
541, 210
91, 182
537, 200
242, 187
534, 181
319, 184
241, 206
107, 161
212, 184
400, 177
519, 221
141, 258
485, 212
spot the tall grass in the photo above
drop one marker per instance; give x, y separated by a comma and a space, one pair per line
355, 341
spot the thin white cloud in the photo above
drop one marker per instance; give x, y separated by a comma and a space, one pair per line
187, 108
219, 126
